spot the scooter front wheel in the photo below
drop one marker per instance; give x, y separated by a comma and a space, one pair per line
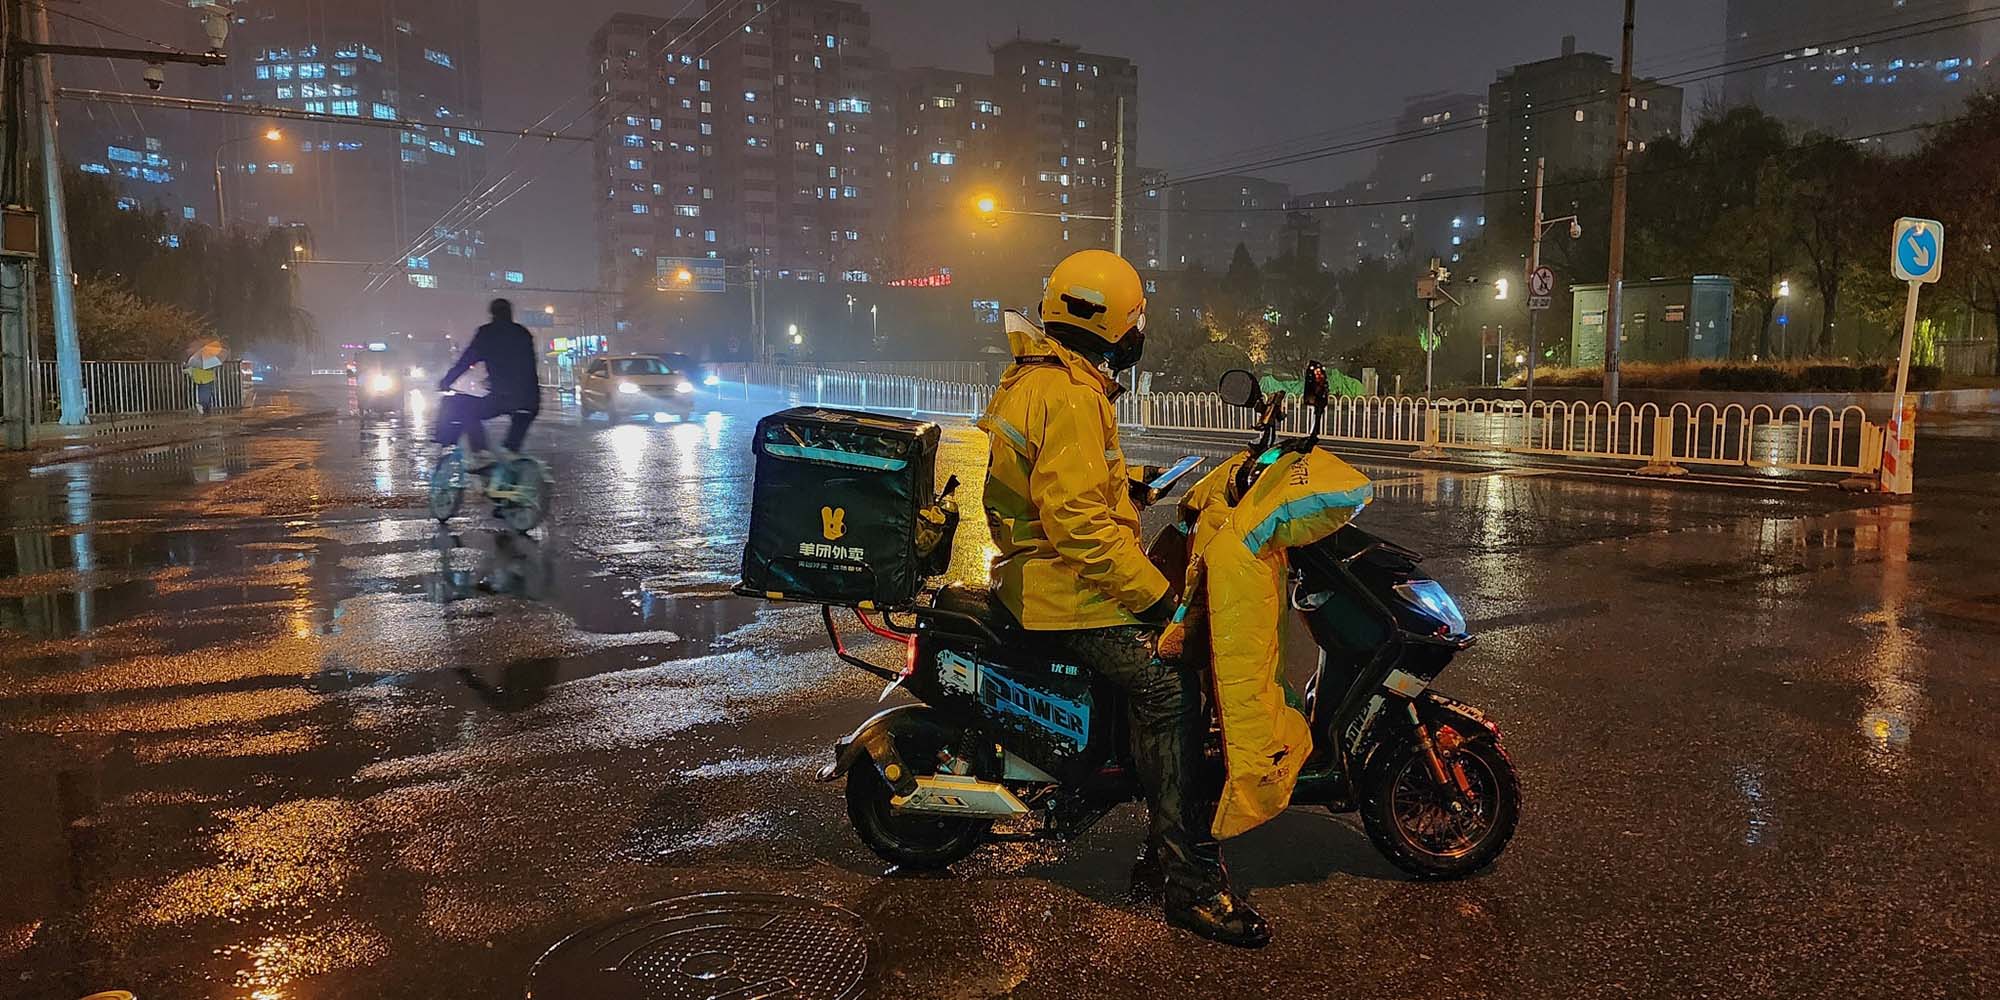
924, 843
1439, 832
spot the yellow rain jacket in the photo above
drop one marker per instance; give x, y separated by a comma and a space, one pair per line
1235, 593
1057, 499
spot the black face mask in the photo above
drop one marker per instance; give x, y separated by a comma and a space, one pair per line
1126, 353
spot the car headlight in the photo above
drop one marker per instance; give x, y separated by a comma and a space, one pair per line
685, 387
712, 380
628, 388
380, 383
1430, 597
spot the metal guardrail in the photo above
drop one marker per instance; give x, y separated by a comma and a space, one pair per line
1793, 438
126, 388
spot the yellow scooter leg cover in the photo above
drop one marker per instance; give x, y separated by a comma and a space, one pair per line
1238, 571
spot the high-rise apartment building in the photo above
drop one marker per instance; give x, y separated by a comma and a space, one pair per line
1564, 110
947, 155
1059, 137
1210, 217
1843, 70
1440, 145
362, 194
755, 132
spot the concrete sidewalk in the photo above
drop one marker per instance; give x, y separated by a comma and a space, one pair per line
50, 444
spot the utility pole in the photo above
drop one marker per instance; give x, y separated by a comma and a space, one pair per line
1614, 303
36, 42
62, 281
1118, 185
1534, 264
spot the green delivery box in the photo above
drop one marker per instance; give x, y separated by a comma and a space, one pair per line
837, 508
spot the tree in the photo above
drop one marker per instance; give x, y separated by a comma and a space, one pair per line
1955, 164
1832, 206
1299, 317
239, 283
112, 323
1233, 310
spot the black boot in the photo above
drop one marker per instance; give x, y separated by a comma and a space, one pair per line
1219, 916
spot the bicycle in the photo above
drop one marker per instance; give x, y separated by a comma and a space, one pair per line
521, 492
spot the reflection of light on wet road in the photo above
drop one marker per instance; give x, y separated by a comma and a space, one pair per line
1750, 782
629, 443
712, 423
82, 555
1895, 681
687, 443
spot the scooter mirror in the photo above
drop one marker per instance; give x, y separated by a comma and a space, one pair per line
1239, 388
1317, 392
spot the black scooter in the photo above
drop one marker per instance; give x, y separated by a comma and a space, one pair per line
999, 734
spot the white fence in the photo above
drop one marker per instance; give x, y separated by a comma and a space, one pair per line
1815, 439
124, 388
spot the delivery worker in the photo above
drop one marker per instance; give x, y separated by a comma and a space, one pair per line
1071, 569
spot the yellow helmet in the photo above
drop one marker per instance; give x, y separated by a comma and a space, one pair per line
1097, 293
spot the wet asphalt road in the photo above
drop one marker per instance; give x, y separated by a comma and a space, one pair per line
268, 734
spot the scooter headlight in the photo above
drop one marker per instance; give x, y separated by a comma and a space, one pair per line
1430, 597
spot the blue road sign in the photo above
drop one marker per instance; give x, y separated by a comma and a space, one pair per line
1919, 250
691, 274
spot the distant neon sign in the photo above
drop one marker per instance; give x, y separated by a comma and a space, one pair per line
938, 279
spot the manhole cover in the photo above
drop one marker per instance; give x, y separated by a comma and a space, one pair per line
715, 946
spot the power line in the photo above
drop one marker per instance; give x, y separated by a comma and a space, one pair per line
90, 95
1767, 60
1554, 185
418, 246
105, 27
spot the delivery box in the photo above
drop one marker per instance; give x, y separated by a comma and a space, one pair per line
845, 509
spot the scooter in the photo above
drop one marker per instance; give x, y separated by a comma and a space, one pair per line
999, 735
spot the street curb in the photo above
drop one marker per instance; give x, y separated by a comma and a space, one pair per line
16, 463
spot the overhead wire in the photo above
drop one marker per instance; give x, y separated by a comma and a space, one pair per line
1695, 75
418, 246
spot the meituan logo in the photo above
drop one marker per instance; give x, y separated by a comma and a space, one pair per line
833, 522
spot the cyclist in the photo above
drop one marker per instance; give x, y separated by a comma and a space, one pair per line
512, 387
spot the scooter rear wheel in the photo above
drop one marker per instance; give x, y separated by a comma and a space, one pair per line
1436, 833
919, 842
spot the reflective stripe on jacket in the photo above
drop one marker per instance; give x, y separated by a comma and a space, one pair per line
1236, 577
1056, 496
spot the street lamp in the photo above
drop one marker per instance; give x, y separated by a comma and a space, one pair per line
221, 214
549, 310
1500, 289
792, 331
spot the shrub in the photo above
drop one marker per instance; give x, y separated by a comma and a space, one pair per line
1833, 378
1734, 376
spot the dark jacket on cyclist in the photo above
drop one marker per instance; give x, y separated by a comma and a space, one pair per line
508, 349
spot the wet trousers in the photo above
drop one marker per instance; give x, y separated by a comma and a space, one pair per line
1163, 705
466, 414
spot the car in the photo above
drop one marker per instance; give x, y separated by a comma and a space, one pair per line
635, 387
704, 376
380, 387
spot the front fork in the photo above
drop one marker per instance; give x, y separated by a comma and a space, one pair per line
1434, 747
